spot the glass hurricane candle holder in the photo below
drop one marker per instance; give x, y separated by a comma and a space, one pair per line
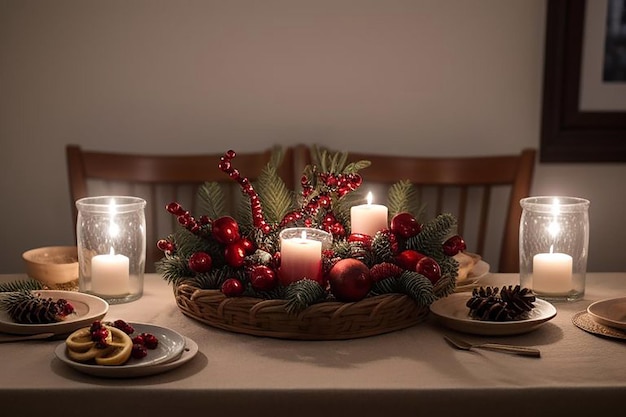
554, 239
301, 254
111, 240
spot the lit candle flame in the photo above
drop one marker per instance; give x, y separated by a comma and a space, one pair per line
370, 197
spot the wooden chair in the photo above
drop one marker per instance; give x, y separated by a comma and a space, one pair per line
160, 179
483, 192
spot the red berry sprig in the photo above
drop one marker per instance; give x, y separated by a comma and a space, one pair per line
258, 219
185, 219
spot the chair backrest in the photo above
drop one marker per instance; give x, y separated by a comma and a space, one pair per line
483, 192
160, 179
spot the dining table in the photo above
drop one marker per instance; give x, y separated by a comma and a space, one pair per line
408, 372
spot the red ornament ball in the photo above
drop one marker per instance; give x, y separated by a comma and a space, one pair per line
248, 245
454, 245
235, 254
405, 225
226, 230
350, 280
263, 278
200, 262
408, 259
232, 287
428, 267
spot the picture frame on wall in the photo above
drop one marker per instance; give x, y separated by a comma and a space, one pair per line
583, 114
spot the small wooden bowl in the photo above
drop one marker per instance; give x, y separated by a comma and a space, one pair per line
54, 266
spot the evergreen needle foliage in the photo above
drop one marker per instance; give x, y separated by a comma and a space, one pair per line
303, 293
21, 285
403, 197
212, 201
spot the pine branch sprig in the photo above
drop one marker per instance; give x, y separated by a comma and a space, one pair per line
402, 197
211, 200
21, 285
277, 199
418, 287
433, 234
385, 286
302, 294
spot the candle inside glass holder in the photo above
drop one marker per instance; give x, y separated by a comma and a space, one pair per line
554, 237
301, 254
111, 240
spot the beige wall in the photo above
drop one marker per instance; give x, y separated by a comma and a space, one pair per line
422, 77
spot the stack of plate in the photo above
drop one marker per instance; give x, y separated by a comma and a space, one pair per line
605, 318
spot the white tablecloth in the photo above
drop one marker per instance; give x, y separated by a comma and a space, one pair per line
410, 372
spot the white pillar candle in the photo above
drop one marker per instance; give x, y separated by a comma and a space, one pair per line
110, 274
368, 218
300, 258
552, 273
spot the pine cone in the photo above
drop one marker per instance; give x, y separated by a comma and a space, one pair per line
28, 308
506, 304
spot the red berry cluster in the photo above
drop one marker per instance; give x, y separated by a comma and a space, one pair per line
330, 183
141, 342
64, 307
258, 219
99, 334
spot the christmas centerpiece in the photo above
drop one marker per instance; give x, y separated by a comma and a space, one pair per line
252, 272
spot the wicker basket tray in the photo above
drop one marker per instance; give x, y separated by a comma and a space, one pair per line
324, 321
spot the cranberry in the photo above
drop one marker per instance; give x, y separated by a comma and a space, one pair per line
139, 351
138, 340
123, 326
150, 340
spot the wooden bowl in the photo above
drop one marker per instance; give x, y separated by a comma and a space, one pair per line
54, 266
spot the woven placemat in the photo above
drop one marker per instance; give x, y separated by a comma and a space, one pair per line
584, 321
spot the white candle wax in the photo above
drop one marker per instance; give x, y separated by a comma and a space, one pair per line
110, 274
552, 273
368, 218
300, 258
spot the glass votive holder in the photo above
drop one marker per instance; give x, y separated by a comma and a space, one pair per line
301, 254
111, 240
554, 240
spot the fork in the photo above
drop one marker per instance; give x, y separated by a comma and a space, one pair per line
515, 350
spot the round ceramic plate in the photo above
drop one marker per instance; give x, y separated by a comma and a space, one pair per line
87, 308
452, 312
170, 349
609, 312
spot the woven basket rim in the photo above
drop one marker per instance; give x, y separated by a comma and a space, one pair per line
328, 320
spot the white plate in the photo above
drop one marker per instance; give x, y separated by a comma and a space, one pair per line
87, 308
171, 350
452, 312
609, 312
